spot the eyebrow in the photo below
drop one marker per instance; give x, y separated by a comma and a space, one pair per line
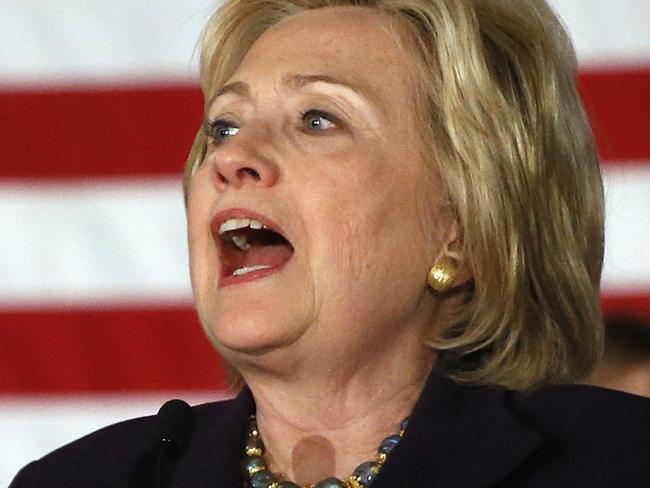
296, 81
236, 88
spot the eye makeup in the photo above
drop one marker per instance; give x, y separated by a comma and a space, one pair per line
316, 122
219, 130
320, 110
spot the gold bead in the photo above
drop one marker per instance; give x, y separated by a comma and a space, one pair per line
353, 482
442, 274
254, 451
380, 458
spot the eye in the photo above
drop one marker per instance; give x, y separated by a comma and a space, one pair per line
220, 130
317, 121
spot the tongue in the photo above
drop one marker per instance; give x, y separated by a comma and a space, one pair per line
273, 256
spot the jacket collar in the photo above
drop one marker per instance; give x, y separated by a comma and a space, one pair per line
459, 436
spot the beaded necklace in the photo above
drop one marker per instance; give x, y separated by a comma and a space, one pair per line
256, 470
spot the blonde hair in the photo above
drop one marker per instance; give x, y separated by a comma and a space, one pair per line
506, 133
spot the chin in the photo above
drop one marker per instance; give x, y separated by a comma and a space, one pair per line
252, 331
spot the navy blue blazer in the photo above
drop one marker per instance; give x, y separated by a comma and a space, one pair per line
565, 436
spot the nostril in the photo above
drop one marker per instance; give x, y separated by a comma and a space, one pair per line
250, 172
240, 174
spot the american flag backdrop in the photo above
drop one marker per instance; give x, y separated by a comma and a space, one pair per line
98, 107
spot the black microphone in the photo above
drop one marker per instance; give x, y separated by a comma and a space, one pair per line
173, 428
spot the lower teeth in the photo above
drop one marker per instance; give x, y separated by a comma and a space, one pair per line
249, 269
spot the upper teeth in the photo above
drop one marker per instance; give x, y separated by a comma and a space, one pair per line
235, 224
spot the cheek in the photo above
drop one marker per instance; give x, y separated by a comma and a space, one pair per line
364, 233
400, 227
200, 243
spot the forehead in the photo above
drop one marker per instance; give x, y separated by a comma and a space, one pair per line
349, 43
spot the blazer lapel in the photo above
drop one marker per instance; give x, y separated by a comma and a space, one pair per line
212, 459
459, 437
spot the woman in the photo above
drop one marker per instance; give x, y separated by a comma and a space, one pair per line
395, 212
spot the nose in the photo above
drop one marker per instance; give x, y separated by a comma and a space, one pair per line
239, 162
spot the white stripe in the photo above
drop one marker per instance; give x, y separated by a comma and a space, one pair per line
108, 242
35, 425
627, 260
124, 242
98, 41
608, 32
90, 40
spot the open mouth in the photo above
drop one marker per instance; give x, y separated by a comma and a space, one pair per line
248, 249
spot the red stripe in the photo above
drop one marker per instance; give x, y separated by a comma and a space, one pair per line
55, 351
148, 130
618, 102
635, 304
102, 132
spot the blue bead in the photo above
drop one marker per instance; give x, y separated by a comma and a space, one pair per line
253, 463
389, 443
367, 472
330, 483
404, 423
262, 479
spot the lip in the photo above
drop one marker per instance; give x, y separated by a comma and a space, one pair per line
243, 213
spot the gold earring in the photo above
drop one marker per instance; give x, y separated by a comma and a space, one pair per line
442, 275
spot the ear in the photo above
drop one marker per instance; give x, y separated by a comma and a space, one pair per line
453, 248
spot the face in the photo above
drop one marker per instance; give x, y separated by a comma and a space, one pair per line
314, 138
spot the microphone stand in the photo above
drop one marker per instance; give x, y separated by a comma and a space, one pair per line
174, 427
164, 449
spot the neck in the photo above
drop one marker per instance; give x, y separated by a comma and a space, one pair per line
332, 416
